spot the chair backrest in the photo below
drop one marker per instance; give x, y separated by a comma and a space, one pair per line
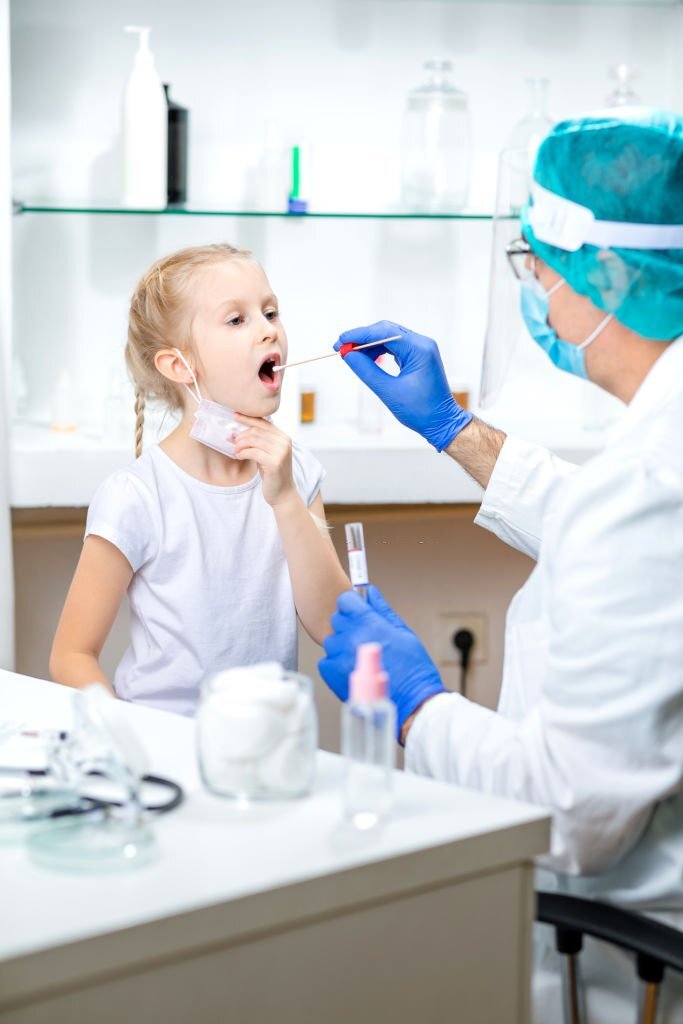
656, 945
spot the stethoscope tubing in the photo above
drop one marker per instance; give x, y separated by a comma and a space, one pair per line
89, 804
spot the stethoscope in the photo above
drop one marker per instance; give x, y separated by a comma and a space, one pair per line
91, 804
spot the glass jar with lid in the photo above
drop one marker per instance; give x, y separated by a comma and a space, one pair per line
519, 153
436, 144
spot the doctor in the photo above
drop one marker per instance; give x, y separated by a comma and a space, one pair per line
590, 718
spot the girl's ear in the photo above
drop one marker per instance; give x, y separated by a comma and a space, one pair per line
170, 365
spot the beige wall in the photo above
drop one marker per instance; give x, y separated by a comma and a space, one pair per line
425, 566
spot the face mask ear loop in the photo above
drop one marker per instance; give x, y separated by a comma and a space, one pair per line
556, 287
198, 396
598, 330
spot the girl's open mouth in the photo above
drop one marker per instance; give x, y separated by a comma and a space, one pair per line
271, 381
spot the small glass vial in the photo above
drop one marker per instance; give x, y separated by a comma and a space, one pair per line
368, 741
307, 408
358, 563
370, 412
461, 393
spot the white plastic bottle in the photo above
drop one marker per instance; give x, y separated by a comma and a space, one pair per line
368, 741
145, 132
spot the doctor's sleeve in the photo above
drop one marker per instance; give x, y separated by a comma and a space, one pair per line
602, 746
524, 479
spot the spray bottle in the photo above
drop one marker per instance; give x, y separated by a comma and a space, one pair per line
368, 740
145, 132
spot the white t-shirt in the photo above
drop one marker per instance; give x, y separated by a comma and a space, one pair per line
211, 587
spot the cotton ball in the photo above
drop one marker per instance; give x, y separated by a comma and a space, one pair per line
243, 731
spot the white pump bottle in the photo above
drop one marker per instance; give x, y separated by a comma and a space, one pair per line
145, 132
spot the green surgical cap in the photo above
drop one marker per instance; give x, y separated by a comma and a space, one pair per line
624, 166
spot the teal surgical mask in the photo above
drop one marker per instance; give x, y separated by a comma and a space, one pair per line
535, 303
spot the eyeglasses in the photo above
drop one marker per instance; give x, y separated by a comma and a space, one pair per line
521, 259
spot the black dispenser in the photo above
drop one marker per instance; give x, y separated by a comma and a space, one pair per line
178, 124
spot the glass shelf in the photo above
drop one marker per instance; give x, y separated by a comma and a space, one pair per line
198, 211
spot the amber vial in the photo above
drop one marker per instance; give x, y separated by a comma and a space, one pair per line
307, 406
462, 398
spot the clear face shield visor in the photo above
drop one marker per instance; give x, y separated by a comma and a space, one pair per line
625, 260
511, 263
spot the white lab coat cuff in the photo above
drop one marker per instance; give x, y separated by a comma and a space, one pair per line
417, 742
457, 740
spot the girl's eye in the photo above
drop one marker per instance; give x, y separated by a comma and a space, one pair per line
234, 321
272, 314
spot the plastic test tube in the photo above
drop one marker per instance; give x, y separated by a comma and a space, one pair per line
358, 565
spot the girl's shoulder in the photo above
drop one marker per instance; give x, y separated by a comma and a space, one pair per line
308, 472
124, 510
132, 484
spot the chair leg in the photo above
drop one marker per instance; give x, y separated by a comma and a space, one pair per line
649, 1000
572, 992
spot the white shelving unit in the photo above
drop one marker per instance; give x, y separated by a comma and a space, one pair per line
78, 261
395, 467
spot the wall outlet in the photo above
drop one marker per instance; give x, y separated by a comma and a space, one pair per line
449, 624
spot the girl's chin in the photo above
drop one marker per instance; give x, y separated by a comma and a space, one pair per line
265, 407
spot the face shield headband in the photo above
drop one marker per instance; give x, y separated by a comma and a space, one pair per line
567, 225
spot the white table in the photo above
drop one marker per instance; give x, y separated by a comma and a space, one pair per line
279, 913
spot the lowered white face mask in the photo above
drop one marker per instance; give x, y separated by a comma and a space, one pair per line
214, 424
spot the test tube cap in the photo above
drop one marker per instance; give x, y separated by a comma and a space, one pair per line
354, 537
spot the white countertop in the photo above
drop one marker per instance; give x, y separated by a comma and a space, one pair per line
393, 467
240, 862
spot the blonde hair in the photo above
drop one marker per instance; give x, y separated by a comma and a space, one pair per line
160, 317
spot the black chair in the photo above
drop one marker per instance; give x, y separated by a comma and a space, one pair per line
656, 946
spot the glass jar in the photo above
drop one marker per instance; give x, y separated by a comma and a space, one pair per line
523, 142
257, 733
436, 147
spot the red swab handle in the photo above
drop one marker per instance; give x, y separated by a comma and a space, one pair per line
345, 349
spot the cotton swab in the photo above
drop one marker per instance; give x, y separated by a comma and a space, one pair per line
344, 350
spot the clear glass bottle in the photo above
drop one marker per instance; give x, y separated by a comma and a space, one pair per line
65, 405
623, 94
436, 145
19, 388
368, 741
523, 142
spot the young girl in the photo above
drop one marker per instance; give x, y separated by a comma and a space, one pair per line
217, 554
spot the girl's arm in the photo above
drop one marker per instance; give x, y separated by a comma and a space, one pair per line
99, 584
317, 577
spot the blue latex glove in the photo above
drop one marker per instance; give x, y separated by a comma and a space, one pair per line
419, 397
413, 676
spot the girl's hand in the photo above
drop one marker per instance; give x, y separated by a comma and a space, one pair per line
271, 450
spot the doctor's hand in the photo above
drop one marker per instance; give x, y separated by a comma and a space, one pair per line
413, 676
419, 397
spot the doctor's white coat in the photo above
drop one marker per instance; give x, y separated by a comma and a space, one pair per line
590, 718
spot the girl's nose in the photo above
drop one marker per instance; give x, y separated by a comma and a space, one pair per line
269, 327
